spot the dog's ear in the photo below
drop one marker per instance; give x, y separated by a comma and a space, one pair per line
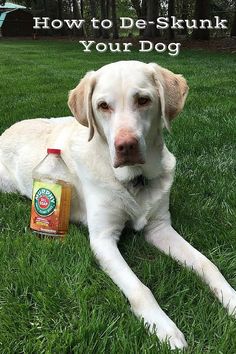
173, 91
80, 102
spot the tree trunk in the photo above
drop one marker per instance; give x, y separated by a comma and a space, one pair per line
137, 7
152, 12
59, 8
93, 14
171, 12
60, 15
233, 28
49, 31
184, 31
108, 8
82, 8
77, 15
144, 8
114, 19
201, 12
45, 6
105, 33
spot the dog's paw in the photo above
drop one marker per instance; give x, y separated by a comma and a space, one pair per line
155, 319
172, 335
231, 303
227, 296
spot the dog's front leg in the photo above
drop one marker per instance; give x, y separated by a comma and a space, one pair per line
103, 240
164, 237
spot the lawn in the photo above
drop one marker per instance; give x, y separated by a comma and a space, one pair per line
53, 296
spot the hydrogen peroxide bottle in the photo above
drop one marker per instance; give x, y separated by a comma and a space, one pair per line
51, 197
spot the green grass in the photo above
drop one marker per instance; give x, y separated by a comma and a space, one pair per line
53, 296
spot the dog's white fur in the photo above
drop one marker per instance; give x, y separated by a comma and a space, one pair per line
104, 197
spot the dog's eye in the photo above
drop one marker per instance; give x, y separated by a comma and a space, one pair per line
104, 106
143, 101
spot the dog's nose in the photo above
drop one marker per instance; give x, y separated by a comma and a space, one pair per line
127, 149
125, 146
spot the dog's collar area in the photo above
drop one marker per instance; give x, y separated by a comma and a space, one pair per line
139, 181
136, 184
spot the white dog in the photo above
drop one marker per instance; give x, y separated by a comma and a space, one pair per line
122, 172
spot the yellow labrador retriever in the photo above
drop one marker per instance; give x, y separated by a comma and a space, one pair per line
121, 171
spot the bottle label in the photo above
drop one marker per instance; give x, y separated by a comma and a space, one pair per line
45, 211
44, 202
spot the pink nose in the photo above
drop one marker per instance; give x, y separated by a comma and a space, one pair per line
126, 145
127, 149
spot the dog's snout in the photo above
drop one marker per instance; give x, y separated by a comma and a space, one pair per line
125, 146
127, 149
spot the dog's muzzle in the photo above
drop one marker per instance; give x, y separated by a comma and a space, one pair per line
127, 150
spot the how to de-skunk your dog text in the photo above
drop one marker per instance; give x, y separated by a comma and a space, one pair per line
129, 23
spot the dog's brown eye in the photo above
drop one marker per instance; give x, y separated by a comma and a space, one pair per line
142, 101
104, 106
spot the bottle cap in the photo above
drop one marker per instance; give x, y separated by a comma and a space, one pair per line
54, 151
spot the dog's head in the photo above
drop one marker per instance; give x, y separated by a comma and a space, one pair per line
127, 102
